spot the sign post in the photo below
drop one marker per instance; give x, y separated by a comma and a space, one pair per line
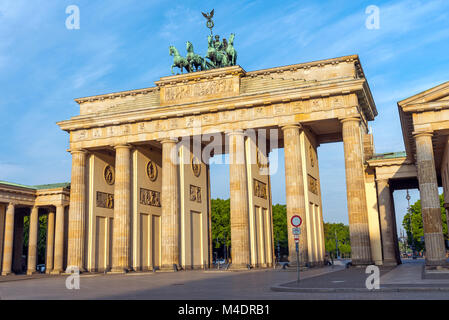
296, 222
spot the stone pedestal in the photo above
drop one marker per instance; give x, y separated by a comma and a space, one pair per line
122, 209
32, 241
59, 241
77, 213
294, 189
50, 240
240, 249
9, 240
430, 202
170, 205
387, 223
355, 187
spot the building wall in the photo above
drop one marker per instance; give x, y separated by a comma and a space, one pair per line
100, 220
2, 232
445, 172
314, 216
146, 222
194, 210
373, 217
260, 210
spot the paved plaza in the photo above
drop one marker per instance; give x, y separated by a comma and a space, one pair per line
218, 285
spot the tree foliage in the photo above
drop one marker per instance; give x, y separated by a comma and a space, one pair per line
220, 216
42, 237
413, 224
334, 231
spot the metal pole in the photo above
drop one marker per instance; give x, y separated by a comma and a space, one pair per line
297, 262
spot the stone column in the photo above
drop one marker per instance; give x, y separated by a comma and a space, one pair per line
170, 205
59, 241
32, 240
240, 248
430, 202
77, 213
9, 240
387, 223
294, 189
50, 240
122, 209
355, 187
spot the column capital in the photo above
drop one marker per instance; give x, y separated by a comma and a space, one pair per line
74, 151
349, 119
122, 146
168, 140
422, 134
295, 125
238, 132
384, 181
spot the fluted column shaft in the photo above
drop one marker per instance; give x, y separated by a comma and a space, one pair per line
77, 212
50, 240
355, 187
240, 247
122, 209
294, 189
430, 202
387, 223
59, 240
32, 240
170, 205
9, 240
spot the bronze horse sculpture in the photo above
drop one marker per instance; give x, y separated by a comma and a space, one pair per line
179, 61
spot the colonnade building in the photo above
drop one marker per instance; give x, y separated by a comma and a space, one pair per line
140, 183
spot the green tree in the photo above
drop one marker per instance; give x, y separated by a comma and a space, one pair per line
42, 237
331, 230
280, 227
221, 229
221, 220
413, 224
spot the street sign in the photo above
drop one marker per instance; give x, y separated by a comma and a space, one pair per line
296, 221
296, 231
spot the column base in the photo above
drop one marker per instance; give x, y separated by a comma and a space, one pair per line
437, 263
118, 270
362, 263
8, 273
57, 272
240, 267
170, 268
390, 263
31, 272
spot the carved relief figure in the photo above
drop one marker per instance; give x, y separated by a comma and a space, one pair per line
109, 175
152, 171
196, 166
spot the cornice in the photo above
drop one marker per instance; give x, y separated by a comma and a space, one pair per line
224, 104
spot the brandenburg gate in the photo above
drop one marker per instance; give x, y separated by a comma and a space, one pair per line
140, 189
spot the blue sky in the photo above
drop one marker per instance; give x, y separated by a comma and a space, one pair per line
123, 45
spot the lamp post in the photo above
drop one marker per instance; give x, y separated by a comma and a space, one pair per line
412, 244
336, 245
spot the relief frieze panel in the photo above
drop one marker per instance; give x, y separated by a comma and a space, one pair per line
195, 194
150, 198
260, 189
313, 184
198, 90
212, 118
105, 200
